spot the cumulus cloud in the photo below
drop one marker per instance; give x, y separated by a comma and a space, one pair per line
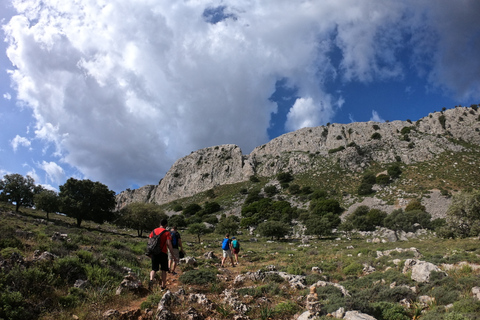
54, 172
20, 141
124, 88
7, 96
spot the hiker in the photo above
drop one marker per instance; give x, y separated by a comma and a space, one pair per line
176, 244
235, 248
160, 261
227, 249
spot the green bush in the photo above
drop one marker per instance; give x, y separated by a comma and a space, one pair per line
376, 136
287, 309
389, 311
382, 179
199, 277
353, 269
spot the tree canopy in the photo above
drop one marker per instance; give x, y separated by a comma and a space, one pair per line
18, 189
463, 215
87, 200
141, 217
47, 200
198, 229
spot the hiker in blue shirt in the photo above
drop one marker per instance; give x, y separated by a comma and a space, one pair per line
227, 250
174, 256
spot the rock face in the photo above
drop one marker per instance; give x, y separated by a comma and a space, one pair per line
353, 146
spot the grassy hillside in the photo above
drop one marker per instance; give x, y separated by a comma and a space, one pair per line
102, 254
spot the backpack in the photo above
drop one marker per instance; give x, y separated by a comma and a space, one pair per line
235, 244
174, 239
153, 244
226, 244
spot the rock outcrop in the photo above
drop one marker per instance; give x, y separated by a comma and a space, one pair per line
353, 146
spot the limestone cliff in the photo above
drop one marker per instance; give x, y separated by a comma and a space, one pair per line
354, 146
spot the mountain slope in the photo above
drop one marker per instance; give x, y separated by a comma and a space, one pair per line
347, 149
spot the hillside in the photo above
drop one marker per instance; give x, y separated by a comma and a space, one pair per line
437, 152
54, 270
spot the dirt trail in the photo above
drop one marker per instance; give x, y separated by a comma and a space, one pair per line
173, 284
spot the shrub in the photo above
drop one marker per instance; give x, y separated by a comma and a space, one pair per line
365, 189
270, 190
382, 179
254, 179
198, 277
376, 136
414, 204
389, 311
191, 209
406, 130
394, 171
334, 150
353, 269
442, 120
284, 177
287, 308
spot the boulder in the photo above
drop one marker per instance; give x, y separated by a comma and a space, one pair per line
421, 270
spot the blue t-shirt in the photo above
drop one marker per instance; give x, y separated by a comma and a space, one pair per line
226, 244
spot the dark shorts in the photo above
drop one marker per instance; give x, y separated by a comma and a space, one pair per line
236, 251
160, 262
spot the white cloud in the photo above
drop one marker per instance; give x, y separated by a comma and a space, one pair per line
54, 172
124, 88
7, 96
306, 113
376, 117
20, 141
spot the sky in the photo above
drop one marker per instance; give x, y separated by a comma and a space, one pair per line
116, 91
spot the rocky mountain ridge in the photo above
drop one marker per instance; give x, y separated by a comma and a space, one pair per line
353, 146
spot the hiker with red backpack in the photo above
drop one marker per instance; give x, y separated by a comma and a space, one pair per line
159, 256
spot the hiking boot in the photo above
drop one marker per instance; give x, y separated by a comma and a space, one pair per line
150, 285
174, 273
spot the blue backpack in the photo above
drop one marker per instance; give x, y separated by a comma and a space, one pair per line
174, 239
226, 244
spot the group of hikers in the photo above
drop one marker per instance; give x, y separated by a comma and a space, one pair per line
171, 249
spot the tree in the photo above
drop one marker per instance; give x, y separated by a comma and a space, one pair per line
273, 229
19, 190
47, 200
87, 200
177, 220
198, 229
463, 215
141, 217
323, 225
227, 225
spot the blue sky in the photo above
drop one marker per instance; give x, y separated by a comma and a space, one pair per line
116, 91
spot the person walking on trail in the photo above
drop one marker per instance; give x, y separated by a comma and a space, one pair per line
235, 248
160, 261
227, 250
176, 244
